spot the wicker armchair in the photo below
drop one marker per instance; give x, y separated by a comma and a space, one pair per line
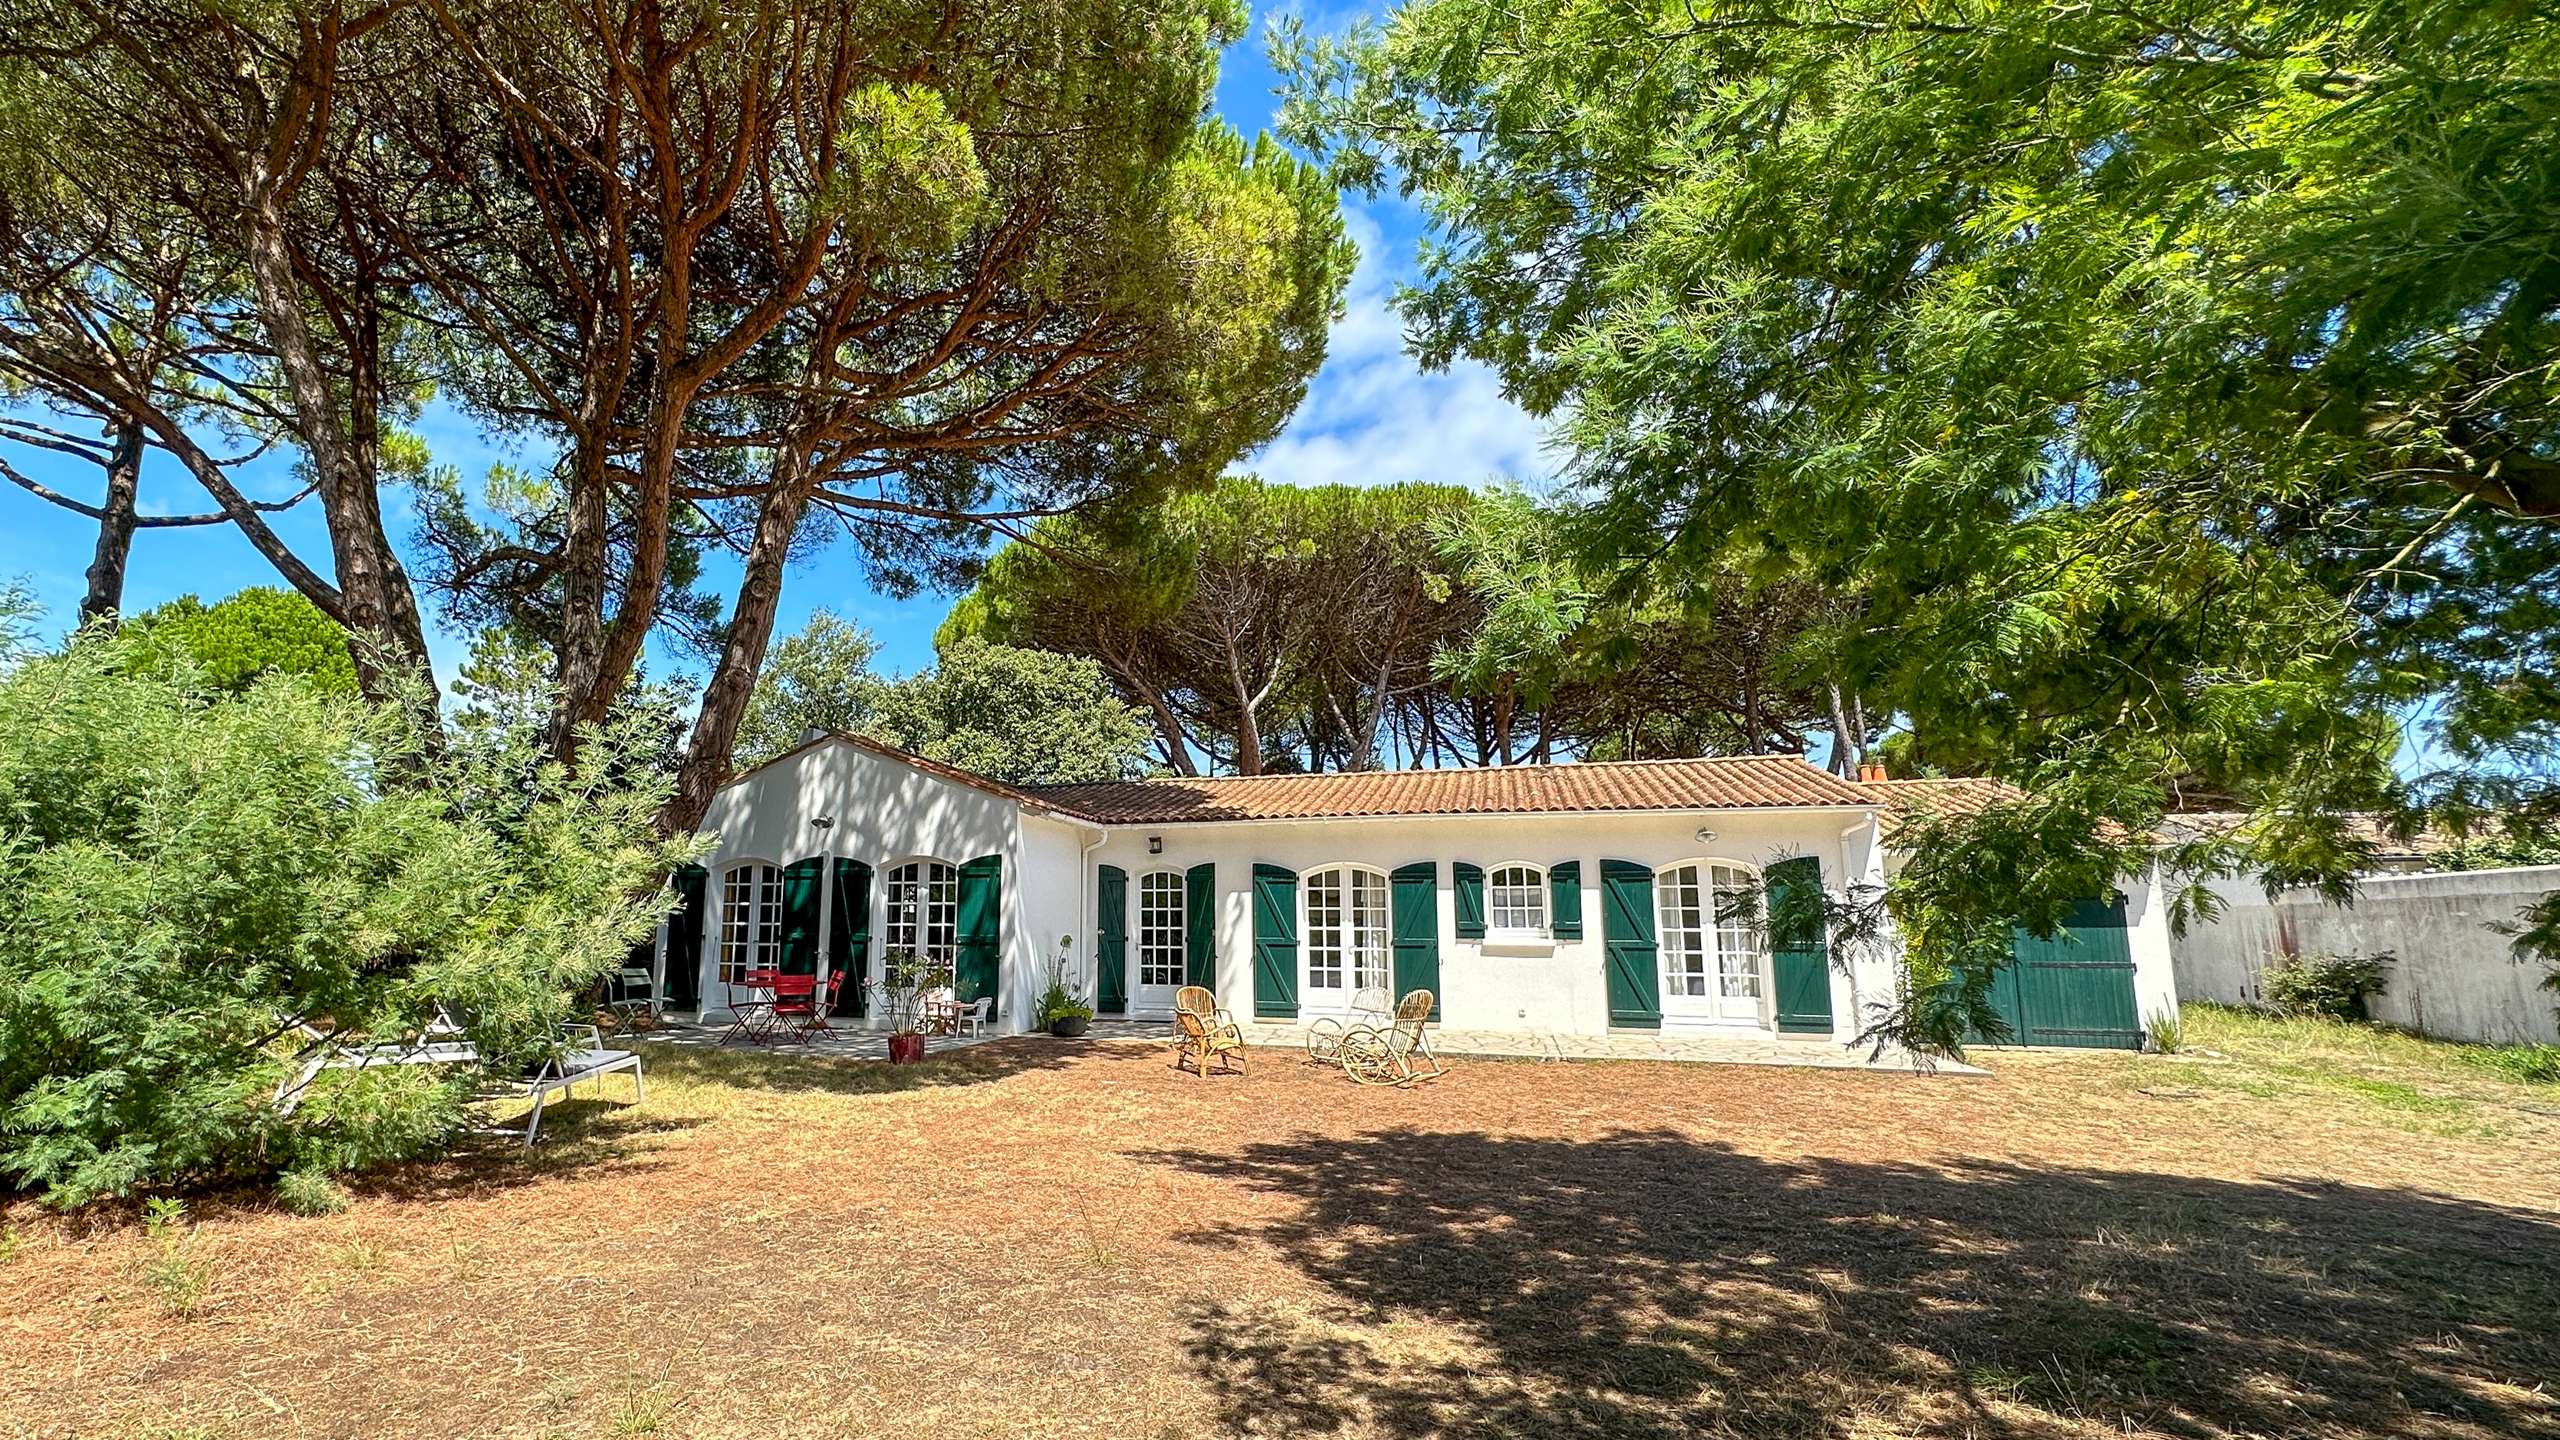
1374, 1056
1207, 1033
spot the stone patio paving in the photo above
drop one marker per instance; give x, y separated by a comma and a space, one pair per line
1819, 1054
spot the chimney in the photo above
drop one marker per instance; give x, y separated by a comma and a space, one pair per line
1871, 771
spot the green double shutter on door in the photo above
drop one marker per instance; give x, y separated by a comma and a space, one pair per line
1564, 899
849, 942
1466, 891
2075, 988
1627, 945
1799, 960
1275, 943
680, 978
1415, 889
976, 969
800, 882
1111, 941
1200, 927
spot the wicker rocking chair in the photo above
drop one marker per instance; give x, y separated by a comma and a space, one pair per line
1207, 1032
1386, 1057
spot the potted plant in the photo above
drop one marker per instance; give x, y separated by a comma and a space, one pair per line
1059, 1009
907, 979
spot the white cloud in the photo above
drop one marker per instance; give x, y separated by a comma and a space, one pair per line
1373, 417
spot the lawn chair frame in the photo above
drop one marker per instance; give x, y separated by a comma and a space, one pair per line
1371, 1007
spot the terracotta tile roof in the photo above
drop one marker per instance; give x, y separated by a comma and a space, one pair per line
2374, 830
1726, 783
1913, 798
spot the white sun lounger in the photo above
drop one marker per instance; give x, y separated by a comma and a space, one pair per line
443, 1043
561, 1074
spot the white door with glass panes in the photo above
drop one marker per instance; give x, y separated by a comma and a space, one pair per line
1708, 932
1157, 966
1343, 946
919, 911
750, 928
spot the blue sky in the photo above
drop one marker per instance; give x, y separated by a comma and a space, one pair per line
1370, 417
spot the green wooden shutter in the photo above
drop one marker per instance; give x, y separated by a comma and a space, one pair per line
681, 979
1200, 927
1275, 943
2076, 988
1417, 930
849, 944
1799, 960
1627, 945
800, 882
977, 966
1111, 940
1564, 899
1466, 886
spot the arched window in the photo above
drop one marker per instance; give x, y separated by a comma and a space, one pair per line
1707, 919
1515, 900
750, 919
1346, 930
1160, 935
922, 900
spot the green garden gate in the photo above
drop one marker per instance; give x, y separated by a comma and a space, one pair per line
2075, 989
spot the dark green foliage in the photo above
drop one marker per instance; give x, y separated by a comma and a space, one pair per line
1027, 716
2316, 983
2173, 387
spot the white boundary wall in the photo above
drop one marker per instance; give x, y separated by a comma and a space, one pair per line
2452, 973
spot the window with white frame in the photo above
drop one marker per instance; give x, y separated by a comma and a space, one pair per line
1346, 928
1738, 933
1160, 939
1515, 900
922, 903
1707, 924
750, 920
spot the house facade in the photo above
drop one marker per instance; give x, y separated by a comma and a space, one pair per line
1576, 899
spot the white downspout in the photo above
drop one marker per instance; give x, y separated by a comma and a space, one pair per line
1084, 907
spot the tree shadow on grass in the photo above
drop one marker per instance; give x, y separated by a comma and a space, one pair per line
1650, 1284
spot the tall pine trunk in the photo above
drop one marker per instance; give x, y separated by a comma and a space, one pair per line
116, 520
733, 680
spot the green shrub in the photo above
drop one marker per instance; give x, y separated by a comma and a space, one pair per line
175, 1270
188, 874
2318, 983
311, 1191
2167, 1031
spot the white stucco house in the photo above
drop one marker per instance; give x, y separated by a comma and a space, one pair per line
1571, 899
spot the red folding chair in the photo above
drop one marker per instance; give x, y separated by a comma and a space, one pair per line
828, 998
795, 1006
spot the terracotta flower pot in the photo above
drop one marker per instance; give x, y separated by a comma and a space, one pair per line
905, 1049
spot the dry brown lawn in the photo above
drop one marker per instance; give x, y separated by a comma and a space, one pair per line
1045, 1238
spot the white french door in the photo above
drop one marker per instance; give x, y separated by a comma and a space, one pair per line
1156, 966
1345, 947
1708, 934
